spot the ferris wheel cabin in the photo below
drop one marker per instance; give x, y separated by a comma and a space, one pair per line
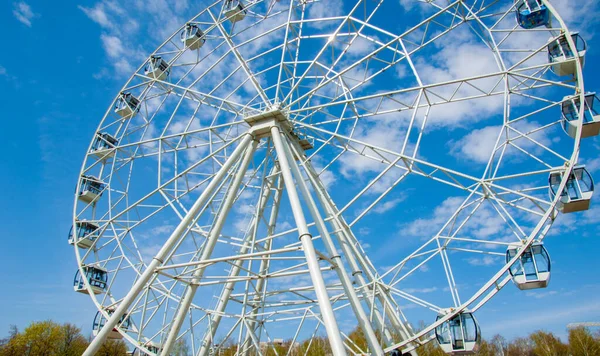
100, 320
532, 14
127, 105
532, 269
85, 234
235, 11
591, 116
577, 193
96, 276
90, 189
460, 335
157, 68
104, 146
562, 55
192, 36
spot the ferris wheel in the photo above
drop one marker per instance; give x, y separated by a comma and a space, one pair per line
280, 170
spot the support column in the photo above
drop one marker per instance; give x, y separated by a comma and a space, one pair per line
235, 271
263, 268
333, 332
158, 260
357, 272
352, 255
211, 241
336, 258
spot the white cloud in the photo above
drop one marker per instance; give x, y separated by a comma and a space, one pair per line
479, 144
540, 295
592, 165
2, 70
325, 8
420, 290
97, 14
388, 205
581, 14
429, 226
22, 12
483, 261
112, 45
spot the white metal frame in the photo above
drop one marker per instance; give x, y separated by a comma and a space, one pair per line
208, 164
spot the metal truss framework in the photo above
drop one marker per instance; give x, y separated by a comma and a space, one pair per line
245, 131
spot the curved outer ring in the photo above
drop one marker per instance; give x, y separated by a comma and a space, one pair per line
491, 287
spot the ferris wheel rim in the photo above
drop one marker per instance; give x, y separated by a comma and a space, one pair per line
530, 239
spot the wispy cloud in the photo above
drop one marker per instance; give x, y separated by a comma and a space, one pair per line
2, 71
22, 12
484, 261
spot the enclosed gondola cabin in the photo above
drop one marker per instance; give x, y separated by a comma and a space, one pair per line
100, 320
104, 146
90, 189
96, 276
235, 11
192, 36
85, 234
532, 14
532, 269
591, 115
127, 105
561, 55
459, 335
157, 68
577, 193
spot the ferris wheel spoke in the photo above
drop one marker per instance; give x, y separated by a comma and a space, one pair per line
353, 36
255, 83
397, 45
171, 181
411, 164
320, 52
328, 83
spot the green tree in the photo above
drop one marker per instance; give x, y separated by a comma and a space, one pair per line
180, 348
430, 349
39, 339
582, 343
317, 346
357, 336
113, 348
520, 347
72, 343
6, 347
499, 345
546, 344
48, 338
485, 349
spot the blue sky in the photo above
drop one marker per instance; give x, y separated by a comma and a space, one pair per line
61, 67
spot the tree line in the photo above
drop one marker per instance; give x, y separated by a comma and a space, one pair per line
48, 338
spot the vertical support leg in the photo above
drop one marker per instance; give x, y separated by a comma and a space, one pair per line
263, 269
346, 238
333, 332
211, 241
336, 258
165, 250
235, 271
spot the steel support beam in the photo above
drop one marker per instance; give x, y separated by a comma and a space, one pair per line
211, 241
234, 272
362, 318
333, 332
160, 257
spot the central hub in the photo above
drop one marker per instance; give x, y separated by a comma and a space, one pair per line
261, 123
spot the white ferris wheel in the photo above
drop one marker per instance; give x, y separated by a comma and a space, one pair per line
231, 189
